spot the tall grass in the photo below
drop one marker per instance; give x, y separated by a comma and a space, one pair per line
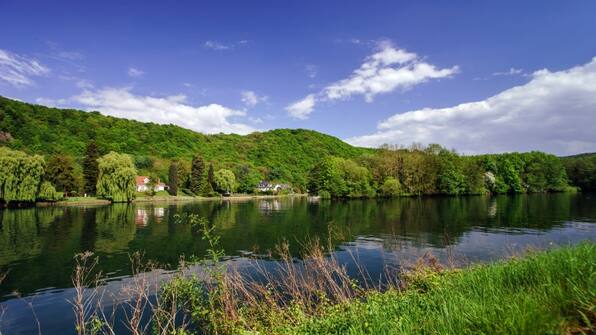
551, 292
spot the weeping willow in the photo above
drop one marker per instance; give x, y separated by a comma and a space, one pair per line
47, 192
20, 175
116, 180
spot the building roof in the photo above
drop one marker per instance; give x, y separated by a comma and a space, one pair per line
140, 180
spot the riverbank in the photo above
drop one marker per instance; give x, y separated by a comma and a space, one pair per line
87, 201
547, 292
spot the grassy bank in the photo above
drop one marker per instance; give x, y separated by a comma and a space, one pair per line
543, 293
160, 198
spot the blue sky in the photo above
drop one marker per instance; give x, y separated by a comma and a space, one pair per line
481, 76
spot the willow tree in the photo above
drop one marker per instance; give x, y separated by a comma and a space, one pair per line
225, 181
47, 192
116, 179
20, 175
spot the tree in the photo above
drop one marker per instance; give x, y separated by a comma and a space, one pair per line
183, 174
211, 176
116, 180
197, 174
47, 192
450, 178
90, 170
60, 172
20, 175
248, 179
173, 178
391, 187
225, 181
340, 178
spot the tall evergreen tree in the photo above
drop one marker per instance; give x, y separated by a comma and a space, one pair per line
60, 172
90, 170
197, 174
211, 176
173, 178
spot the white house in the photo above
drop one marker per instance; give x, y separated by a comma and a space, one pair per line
265, 186
144, 183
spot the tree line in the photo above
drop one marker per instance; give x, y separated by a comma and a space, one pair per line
386, 172
435, 170
29, 178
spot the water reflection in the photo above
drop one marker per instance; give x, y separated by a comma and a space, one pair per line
37, 244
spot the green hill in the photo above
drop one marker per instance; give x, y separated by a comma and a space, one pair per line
284, 154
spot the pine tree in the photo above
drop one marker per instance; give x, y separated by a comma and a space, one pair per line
90, 170
197, 174
211, 176
173, 178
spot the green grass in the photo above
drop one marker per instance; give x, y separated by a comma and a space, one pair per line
552, 292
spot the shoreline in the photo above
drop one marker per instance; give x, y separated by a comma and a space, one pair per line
91, 201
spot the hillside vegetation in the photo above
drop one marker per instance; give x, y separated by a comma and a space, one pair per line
581, 170
284, 154
199, 164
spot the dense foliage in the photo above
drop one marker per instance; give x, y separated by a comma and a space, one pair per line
284, 154
305, 159
47, 192
60, 172
20, 176
197, 175
435, 170
581, 170
90, 169
173, 179
116, 180
225, 181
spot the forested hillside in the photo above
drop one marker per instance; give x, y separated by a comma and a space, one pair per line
305, 159
281, 154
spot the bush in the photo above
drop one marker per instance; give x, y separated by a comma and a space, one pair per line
324, 195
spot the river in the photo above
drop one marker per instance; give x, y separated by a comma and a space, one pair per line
37, 244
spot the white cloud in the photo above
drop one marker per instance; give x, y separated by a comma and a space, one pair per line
213, 118
83, 83
52, 102
512, 71
18, 70
135, 73
554, 112
221, 46
302, 108
385, 71
250, 98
